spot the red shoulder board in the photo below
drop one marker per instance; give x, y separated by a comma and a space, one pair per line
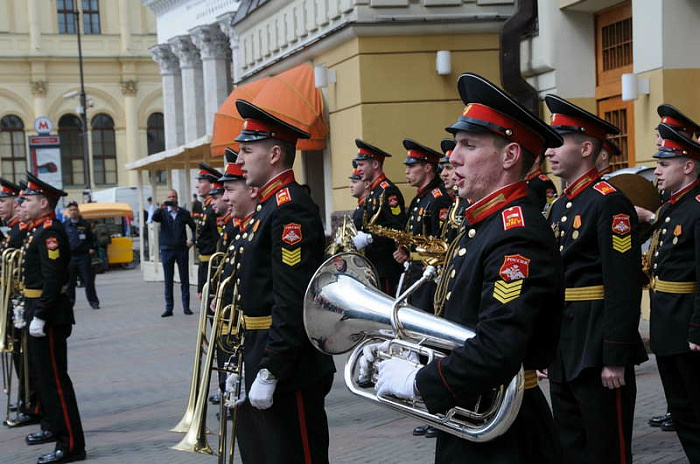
23, 225
514, 267
52, 243
436, 193
443, 214
512, 218
384, 185
696, 198
291, 234
283, 196
604, 188
621, 224
543, 177
47, 223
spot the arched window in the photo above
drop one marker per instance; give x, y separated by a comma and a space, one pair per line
155, 135
13, 152
104, 150
72, 155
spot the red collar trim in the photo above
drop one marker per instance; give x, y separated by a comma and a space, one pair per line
580, 184
377, 181
13, 222
361, 201
40, 220
532, 175
495, 202
247, 218
208, 200
677, 195
275, 184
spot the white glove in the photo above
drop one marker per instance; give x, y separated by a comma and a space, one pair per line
36, 328
233, 383
369, 353
361, 240
396, 377
261, 392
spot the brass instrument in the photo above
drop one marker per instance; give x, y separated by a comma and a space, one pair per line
342, 242
216, 264
344, 310
430, 250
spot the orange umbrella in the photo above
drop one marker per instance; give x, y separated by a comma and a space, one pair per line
227, 121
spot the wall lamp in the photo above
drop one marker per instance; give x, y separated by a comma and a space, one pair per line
443, 62
632, 86
322, 76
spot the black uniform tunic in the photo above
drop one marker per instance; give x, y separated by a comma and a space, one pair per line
285, 246
597, 231
541, 189
675, 311
383, 193
47, 256
207, 237
504, 281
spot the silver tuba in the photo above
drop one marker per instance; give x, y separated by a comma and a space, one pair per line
343, 309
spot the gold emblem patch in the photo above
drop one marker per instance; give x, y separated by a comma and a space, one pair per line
291, 257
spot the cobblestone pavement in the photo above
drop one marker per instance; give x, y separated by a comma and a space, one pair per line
131, 371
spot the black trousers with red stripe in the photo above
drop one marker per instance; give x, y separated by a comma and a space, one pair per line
594, 423
680, 375
293, 431
56, 389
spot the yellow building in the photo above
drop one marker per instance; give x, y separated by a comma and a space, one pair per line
39, 76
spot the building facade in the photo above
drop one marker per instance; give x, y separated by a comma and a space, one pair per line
40, 76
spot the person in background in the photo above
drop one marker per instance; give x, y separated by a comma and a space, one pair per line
197, 206
359, 190
83, 246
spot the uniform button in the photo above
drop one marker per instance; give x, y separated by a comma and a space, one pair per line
568, 204
447, 297
245, 235
238, 281
258, 208
561, 247
561, 233
238, 236
238, 297
661, 243
462, 251
656, 253
238, 266
452, 273
563, 219
668, 219
656, 265
472, 233
415, 208
419, 218
240, 250
663, 231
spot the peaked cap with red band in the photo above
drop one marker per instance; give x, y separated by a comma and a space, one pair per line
676, 144
672, 117
208, 173
420, 153
355, 175
258, 124
367, 152
8, 189
490, 109
232, 171
447, 145
568, 118
36, 186
611, 148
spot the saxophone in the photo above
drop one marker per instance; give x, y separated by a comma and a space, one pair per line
431, 250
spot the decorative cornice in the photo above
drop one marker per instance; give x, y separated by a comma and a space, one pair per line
166, 59
39, 88
211, 42
130, 88
183, 47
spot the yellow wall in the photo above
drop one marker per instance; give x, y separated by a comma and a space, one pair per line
387, 89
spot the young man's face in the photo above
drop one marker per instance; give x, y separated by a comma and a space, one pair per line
6, 208
477, 164
219, 205
368, 169
73, 212
417, 174
357, 188
237, 196
203, 187
565, 160
671, 173
33, 205
255, 158
447, 176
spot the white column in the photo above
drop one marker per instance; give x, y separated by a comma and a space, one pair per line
33, 11
172, 95
130, 90
213, 47
192, 86
225, 23
125, 24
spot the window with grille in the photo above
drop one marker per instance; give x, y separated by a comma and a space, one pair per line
66, 16
619, 119
155, 135
13, 151
91, 17
72, 155
617, 44
104, 150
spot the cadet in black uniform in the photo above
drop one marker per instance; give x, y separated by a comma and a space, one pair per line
607, 152
592, 381
675, 308
504, 280
358, 189
455, 215
427, 213
384, 206
207, 235
286, 378
49, 314
540, 187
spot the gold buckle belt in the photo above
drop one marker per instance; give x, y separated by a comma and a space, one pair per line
36, 292
257, 322
594, 292
204, 258
674, 287
530, 379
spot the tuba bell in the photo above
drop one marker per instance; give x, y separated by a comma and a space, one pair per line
344, 310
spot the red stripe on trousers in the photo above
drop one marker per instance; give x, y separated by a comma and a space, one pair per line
620, 429
302, 429
66, 417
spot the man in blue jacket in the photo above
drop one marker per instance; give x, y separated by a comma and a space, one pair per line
82, 246
173, 245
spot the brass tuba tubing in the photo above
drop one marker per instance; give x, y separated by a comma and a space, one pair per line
343, 311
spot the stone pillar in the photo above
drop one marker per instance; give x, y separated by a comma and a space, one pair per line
213, 46
130, 90
225, 23
192, 86
172, 95
33, 11
125, 25
39, 89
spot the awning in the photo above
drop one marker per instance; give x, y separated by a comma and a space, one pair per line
182, 157
291, 96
